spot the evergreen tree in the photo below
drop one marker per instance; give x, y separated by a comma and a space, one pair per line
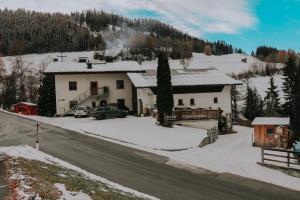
295, 123
272, 100
253, 104
164, 100
46, 101
289, 86
9, 91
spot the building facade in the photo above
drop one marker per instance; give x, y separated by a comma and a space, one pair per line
128, 85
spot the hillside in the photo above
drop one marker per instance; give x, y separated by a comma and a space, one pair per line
25, 32
231, 63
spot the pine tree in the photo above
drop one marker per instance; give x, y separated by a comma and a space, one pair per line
46, 101
253, 104
164, 100
295, 122
272, 101
289, 86
9, 90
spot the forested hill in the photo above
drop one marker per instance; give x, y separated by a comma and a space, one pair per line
24, 32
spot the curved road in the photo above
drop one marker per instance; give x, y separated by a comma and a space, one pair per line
136, 169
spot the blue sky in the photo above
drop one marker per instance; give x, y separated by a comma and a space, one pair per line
243, 23
278, 26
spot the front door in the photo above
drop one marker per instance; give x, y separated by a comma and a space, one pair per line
94, 88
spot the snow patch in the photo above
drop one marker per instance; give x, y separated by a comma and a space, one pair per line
71, 195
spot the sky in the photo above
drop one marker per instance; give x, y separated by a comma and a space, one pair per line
245, 24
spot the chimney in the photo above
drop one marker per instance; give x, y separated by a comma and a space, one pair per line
89, 65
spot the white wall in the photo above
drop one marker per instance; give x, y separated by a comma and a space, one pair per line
202, 100
64, 96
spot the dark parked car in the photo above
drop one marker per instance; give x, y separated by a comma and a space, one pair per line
297, 150
108, 112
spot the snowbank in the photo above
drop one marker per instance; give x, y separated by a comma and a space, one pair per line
32, 154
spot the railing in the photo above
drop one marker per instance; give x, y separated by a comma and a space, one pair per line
180, 115
280, 158
81, 97
100, 92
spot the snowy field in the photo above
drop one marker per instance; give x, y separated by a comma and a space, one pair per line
30, 153
230, 63
230, 154
141, 132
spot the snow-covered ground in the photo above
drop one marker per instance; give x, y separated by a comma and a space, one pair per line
234, 154
230, 154
32, 154
137, 131
230, 63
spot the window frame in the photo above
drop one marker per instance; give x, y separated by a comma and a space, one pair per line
74, 87
216, 100
180, 102
120, 84
192, 102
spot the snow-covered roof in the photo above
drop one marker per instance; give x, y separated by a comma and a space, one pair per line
26, 103
180, 77
76, 67
271, 121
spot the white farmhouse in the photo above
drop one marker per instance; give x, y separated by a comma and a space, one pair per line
126, 83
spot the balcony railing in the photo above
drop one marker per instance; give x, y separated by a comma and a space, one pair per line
199, 114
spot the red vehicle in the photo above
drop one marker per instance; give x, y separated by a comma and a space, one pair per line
25, 108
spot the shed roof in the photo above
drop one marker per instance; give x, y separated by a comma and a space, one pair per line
26, 103
181, 77
271, 121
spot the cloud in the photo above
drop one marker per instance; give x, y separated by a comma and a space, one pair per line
196, 17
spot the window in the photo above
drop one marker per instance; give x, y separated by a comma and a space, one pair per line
72, 85
270, 131
120, 84
216, 100
180, 102
192, 102
73, 104
121, 103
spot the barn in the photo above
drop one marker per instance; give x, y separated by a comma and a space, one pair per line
271, 132
25, 108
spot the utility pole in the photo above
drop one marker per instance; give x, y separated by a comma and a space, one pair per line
61, 57
37, 144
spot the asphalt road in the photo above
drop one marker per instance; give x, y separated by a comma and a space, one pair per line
136, 169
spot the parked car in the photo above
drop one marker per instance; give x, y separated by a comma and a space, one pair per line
82, 111
297, 150
108, 112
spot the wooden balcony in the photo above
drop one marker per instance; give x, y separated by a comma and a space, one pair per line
198, 114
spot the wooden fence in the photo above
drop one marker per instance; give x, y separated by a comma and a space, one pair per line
212, 136
280, 158
180, 115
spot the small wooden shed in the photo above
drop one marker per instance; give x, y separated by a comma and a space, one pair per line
271, 132
25, 108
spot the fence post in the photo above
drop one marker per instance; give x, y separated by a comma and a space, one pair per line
288, 159
262, 156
